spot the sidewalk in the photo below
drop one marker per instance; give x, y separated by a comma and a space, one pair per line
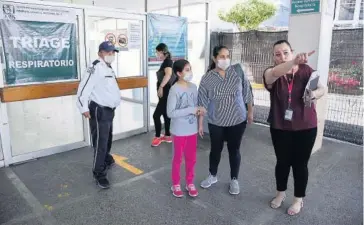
59, 189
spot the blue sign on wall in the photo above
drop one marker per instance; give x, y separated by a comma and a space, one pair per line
170, 30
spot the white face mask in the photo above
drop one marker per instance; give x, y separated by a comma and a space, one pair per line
188, 77
223, 63
109, 58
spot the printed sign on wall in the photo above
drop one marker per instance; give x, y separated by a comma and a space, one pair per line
305, 6
39, 43
169, 30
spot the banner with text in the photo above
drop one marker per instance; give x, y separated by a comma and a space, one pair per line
37, 50
169, 30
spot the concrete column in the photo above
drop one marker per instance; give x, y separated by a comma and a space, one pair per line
310, 28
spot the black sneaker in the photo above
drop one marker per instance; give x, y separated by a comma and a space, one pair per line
110, 164
102, 182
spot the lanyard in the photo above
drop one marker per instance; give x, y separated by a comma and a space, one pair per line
290, 87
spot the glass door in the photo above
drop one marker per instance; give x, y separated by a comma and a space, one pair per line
127, 32
39, 127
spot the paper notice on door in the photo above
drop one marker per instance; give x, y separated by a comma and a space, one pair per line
135, 36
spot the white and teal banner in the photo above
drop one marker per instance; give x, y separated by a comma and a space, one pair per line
39, 43
170, 30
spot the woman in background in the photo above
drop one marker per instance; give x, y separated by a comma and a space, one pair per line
293, 124
164, 81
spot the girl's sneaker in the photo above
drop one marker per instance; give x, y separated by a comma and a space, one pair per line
192, 191
176, 190
156, 141
167, 139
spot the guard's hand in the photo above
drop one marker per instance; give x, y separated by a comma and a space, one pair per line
86, 115
160, 92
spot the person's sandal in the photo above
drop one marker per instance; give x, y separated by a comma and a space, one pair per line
275, 206
294, 211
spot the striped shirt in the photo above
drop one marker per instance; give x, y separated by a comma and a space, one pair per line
225, 99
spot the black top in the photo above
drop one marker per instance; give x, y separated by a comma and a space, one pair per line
166, 63
160, 73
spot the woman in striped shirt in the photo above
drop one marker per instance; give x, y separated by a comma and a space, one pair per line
226, 94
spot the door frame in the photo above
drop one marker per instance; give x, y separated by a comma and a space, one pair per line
83, 11
8, 158
122, 14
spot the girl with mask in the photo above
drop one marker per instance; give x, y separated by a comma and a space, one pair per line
183, 110
225, 92
164, 82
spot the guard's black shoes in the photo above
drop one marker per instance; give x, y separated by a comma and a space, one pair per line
102, 182
110, 164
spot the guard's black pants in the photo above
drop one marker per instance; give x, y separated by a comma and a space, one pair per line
233, 136
101, 132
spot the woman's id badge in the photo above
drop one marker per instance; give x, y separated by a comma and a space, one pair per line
288, 115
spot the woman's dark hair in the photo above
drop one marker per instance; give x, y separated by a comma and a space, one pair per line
215, 53
282, 42
179, 65
161, 47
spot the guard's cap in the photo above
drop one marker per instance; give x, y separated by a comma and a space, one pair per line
107, 46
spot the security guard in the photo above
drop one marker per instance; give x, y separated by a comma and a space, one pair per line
98, 96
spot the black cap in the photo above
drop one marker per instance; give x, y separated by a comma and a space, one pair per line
107, 46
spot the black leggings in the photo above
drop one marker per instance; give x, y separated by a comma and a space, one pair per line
293, 149
233, 136
161, 110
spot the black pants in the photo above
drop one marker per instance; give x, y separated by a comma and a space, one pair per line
293, 149
233, 136
101, 124
161, 110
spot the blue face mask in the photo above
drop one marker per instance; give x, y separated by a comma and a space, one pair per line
188, 77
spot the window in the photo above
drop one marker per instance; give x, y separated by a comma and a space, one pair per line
349, 12
163, 7
128, 61
195, 12
347, 8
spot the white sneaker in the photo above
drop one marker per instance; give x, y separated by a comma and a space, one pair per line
234, 187
210, 180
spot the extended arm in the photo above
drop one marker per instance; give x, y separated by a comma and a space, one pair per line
272, 74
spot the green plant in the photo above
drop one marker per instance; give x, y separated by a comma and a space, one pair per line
249, 14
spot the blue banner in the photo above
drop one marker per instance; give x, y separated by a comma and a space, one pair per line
169, 30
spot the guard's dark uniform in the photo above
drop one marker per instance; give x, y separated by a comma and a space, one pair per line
99, 94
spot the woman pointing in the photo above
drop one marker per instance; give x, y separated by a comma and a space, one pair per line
293, 120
